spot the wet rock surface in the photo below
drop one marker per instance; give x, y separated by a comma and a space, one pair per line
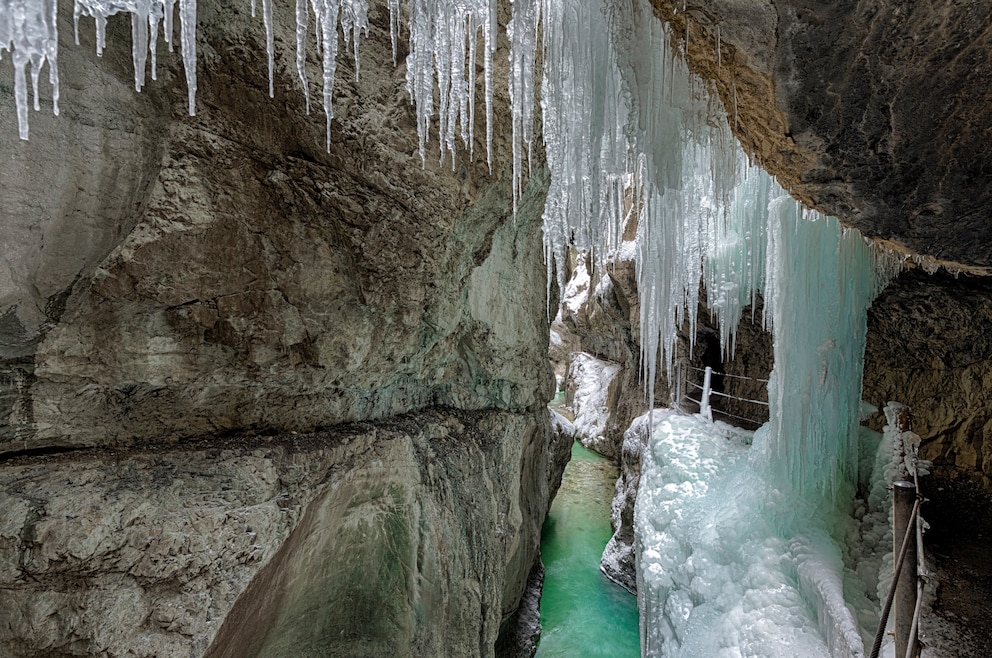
959, 623
929, 347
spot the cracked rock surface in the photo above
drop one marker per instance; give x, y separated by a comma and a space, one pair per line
413, 536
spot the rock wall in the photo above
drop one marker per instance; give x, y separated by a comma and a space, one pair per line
175, 276
190, 308
874, 112
929, 347
407, 537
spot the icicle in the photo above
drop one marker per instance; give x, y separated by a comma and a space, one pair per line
267, 19
522, 34
301, 49
187, 39
719, 57
326, 12
354, 21
29, 32
488, 20
394, 24
169, 7
153, 21
139, 45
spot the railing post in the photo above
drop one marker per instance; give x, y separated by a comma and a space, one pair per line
704, 401
903, 501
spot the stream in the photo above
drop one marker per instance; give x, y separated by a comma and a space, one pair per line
583, 614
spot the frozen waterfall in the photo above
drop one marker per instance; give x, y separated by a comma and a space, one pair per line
630, 135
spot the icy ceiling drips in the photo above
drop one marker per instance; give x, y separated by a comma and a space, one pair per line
628, 132
29, 32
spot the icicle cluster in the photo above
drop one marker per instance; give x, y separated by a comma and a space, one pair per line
625, 126
29, 33
353, 17
584, 131
444, 52
624, 118
522, 31
145, 18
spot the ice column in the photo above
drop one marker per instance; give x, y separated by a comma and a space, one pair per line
821, 280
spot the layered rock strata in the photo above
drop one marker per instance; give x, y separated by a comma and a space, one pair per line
407, 537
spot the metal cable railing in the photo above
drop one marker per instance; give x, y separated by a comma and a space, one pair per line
726, 413
880, 633
706, 391
907, 645
727, 374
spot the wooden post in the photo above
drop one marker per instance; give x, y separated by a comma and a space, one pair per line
903, 500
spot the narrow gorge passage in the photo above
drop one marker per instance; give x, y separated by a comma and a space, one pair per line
583, 613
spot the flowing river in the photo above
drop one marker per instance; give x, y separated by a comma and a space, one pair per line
583, 614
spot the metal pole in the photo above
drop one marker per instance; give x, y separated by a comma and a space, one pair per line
704, 402
903, 501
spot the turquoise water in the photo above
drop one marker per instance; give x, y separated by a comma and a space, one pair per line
583, 614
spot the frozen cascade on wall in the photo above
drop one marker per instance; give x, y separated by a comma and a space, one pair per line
733, 565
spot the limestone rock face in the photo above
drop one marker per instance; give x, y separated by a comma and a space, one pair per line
168, 276
191, 308
877, 113
929, 347
619, 561
407, 537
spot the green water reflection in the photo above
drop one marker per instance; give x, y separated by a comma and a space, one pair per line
583, 614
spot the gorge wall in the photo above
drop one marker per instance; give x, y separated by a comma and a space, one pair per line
869, 111
192, 310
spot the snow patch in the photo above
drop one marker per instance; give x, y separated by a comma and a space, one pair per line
590, 380
729, 564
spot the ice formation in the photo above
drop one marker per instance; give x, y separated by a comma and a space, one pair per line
29, 33
591, 379
730, 564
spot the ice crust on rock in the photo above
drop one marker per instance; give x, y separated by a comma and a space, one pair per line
590, 379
